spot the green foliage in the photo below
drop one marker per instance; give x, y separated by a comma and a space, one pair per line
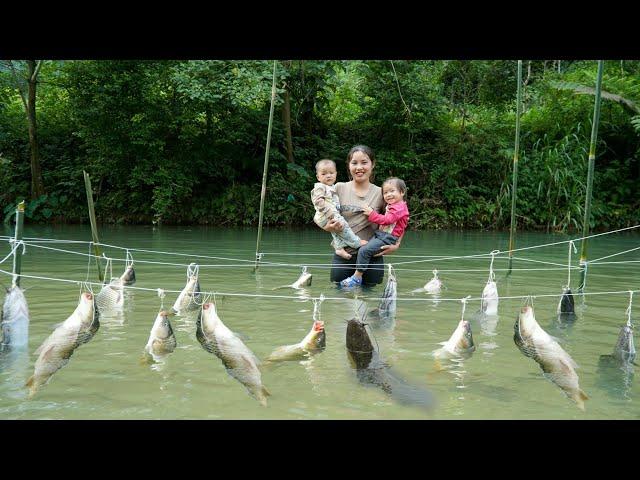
183, 141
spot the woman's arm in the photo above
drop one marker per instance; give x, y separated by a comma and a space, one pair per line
389, 249
333, 226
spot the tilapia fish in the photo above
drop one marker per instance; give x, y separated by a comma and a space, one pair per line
557, 365
434, 285
371, 370
313, 343
129, 275
460, 344
161, 341
624, 353
490, 298
304, 280
111, 296
14, 320
55, 351
240, 362
189, 298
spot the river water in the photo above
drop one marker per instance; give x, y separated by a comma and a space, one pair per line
107, 379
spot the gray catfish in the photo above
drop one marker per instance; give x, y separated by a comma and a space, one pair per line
55, 351
557, 365
371, 370
161, 341
240, 362
14, 320
313, 343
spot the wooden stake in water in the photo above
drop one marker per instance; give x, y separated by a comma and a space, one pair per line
92, 219
266, 167
17, 253
592, 162
515, 168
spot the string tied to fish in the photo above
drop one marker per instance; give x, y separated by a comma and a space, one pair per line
464, 304
161, 295
128, 259
193, 270
108, 268
316, 307
629, 324
492, 275
571, 246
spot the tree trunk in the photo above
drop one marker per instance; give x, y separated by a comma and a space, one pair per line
37, 184
286, 117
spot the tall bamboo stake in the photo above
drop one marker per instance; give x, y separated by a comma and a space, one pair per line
92, 219
266, 167
592, 162
17, 253
515, 168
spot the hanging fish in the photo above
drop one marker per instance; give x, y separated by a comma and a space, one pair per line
14, 319
434, 285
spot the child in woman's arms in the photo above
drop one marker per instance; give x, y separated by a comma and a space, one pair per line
392, 226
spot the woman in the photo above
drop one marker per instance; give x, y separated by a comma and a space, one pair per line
361, 162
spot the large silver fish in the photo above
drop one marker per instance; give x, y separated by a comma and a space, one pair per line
189, 298
14, 319
557, 365
371, 370
55, 351
240, 362
161, 341
460, 344
313, 343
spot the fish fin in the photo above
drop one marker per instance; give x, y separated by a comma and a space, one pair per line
583, 395
30, 381
579, 398
266, 392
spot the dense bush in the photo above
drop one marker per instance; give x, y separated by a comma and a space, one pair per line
184, 141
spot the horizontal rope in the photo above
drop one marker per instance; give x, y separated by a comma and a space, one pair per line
615, 254
257, 295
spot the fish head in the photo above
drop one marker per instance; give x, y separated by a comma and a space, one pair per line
162, 326
625, 349
359, 346
209, 317
318, 337
87, 308
129, 276
526, 322
357, 337
465, 342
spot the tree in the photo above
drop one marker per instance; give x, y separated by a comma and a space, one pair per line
26, 80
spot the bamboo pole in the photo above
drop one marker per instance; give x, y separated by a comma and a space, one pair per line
17, 253
515, 168
266, 167
92, 219
592, 162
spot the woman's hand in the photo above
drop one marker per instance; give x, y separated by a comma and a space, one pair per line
333, 226
387, 249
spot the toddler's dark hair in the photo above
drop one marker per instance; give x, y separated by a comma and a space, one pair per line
399, 184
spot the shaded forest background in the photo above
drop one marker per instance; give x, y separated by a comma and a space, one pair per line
182, 142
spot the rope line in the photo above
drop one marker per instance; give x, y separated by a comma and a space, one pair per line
297, 297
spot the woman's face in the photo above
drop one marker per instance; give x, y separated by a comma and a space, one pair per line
360, 167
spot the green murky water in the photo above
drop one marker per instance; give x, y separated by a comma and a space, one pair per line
106, 380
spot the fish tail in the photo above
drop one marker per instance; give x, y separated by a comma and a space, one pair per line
33, 386
579, 398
